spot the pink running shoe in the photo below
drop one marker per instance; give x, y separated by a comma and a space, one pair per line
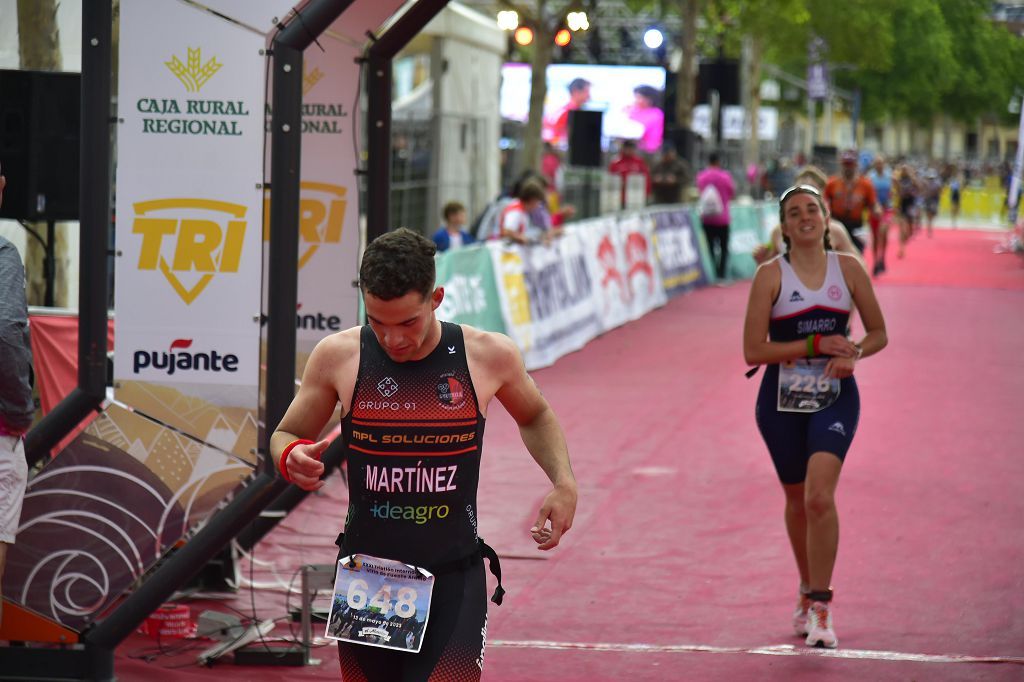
819, 626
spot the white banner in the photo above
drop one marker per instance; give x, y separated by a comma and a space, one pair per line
735, 125
189, 210
624, 266
262, 15
329, 234
1018, 167
547, 298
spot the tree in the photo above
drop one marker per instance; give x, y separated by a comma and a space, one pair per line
686, 79
987, 60
544, 19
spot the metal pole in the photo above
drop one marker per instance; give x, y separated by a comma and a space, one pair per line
49, 261
378, 87
94, 226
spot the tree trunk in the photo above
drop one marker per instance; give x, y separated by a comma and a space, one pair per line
754, 45
687, 76
543, 46
39, 50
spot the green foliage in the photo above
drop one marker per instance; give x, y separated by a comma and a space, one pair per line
988, 61
920, 64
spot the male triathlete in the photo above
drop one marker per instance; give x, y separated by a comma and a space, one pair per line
848, 195
414, 392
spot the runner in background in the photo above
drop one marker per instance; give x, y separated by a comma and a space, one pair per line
849, 195
808, 405
908, 189
955, 183
838, 236
881, 177
931, 189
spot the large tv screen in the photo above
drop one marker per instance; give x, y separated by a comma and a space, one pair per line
631, 98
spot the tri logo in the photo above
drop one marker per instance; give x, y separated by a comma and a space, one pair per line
190, 241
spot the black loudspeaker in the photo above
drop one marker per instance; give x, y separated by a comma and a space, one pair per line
585, 138
722, 75
39, 123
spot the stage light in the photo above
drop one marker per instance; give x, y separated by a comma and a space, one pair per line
653, 38
563, 37
508, 20
523, 35
577, 21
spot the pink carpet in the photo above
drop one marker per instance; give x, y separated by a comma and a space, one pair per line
678, 567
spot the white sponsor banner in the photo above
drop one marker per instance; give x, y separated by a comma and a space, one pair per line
624, 267
189, 206
547, 298
329, 235
262, 15
734, 122
736, 127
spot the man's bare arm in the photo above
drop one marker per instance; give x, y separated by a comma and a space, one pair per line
309, 412
542, 434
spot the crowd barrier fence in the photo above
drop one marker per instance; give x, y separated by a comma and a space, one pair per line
602, 273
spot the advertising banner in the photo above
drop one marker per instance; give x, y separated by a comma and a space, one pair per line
745, 233
189, 216
262, 15
547, 297
100, 515
329, 230
678, 249
470, 296
623, 266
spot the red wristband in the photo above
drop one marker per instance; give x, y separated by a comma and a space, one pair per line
817, 344
284, 456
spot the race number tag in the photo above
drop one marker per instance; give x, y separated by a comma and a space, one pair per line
803, 386
379, 602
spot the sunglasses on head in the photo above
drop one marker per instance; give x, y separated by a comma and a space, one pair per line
806, 189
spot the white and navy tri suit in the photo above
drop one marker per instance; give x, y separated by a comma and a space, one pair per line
414, 436
792, 437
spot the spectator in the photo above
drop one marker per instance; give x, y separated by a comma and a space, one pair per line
628, 163
550, 163
715, 180
452, 234
16, 406
669, 176
515, 221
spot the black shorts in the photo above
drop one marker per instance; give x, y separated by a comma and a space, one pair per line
852, 225
792, 437
453, 647
907, 207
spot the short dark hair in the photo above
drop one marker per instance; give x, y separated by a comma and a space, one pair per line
397, 263
451, 208
713, 157
653, 95
577, 84
531, 190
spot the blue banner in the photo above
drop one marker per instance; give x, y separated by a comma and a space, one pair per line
678, 250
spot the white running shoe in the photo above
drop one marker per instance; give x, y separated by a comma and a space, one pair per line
800, 615
819, 626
